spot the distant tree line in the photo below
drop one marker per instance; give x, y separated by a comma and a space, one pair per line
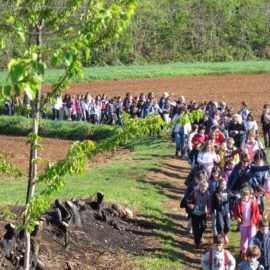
184, 30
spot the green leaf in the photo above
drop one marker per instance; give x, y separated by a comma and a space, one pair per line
55, 60
21, 35
31, 93
39, 67
11, 19
68, 58
35, 56
6, 90
16, 72
2, 44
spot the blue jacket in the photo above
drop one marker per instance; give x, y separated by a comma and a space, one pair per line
221, 201
249, 172
263, 243
246, 265
146, 110
213, 184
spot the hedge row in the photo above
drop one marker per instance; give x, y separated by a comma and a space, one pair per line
21, 126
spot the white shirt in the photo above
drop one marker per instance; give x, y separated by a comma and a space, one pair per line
251, 125
217, 261
246, 213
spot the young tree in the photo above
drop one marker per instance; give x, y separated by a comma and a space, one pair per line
81, 26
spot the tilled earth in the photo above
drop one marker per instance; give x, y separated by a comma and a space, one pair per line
254, 89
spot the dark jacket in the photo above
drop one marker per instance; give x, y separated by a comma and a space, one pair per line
263, 242
265, 122
221, 201
110, 108
239, 138
248, 173
260, 202
213, 184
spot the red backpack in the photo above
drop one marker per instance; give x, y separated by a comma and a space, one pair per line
210, 258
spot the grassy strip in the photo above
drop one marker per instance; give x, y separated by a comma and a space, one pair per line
21, 126
162, 70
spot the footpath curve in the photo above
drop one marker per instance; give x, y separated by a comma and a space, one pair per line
174, 171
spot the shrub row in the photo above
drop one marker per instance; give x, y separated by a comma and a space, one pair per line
21, 126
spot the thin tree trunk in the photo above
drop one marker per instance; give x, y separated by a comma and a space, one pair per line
32, 176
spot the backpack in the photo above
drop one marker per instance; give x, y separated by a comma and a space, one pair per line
225, 254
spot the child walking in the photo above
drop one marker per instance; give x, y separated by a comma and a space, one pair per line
262, 240
248, 216
200, 176
207, 157
229, 165
252, 263
221, 206
213, 185
218, 258
200, 206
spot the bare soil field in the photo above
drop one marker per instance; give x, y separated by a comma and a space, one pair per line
254, 89
16, 150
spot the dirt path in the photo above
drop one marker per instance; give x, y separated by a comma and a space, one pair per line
174, 171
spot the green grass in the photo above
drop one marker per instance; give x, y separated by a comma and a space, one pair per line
163, 70
124, 180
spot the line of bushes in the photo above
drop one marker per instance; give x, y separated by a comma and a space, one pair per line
21, 126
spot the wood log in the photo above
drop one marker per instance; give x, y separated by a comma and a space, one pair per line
74, 213
97, 205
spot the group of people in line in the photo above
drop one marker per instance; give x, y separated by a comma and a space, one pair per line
101, 109
228, 181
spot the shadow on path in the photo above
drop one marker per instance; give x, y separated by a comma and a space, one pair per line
171, 225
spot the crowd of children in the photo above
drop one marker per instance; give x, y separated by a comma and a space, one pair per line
227, 182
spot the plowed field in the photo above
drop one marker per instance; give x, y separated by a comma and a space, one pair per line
254, 89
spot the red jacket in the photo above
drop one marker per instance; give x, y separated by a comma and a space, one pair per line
219, 137
198, 139
255, 212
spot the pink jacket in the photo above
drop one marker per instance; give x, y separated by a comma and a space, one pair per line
251, 148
